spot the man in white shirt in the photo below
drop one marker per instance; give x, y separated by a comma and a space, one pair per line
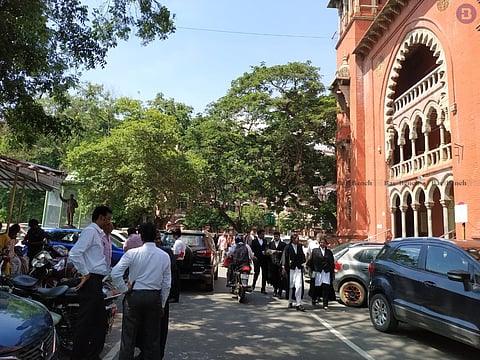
146, 293
179, 246
314, 244
88, 257
179, 249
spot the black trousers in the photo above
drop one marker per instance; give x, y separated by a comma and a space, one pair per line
322, 291
260, 265
91, 325
163, 334
141, 315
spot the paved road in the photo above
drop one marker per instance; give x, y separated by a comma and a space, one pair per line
208, 326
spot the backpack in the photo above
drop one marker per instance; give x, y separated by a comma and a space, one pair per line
240, 255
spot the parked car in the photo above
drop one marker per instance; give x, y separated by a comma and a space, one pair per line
431, 283
120, 235
68, 237
351, 271
27, 331
201, 260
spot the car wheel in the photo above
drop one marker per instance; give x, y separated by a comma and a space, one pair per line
352, 294
209, 285
381, 314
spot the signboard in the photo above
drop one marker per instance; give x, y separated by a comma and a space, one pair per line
461, 213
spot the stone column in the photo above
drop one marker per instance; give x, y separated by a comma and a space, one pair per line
393, 211
429, 206
404, 208
415, 218
446, 230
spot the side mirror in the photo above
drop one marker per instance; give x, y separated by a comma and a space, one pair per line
461, 276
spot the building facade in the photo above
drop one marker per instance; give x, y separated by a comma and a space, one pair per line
407, 85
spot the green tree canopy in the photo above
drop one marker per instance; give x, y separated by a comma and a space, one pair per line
270, 138
137, 169
45, 43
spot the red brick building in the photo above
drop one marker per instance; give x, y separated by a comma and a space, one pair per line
408, 148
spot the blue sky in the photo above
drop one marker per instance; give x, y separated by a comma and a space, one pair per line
196, 67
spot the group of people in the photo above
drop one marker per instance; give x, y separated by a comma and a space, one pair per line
14, 262
143, 275
283, 266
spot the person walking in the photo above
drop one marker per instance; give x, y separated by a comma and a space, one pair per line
166, 311
274, 251
133, 241
88, 257
293, 260
34, 239
260, 260
251, 236
312, 245
107, 244
222, 245
322, 263
179, 249
146, 294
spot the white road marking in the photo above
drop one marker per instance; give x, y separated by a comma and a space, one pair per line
113, 352
357, 349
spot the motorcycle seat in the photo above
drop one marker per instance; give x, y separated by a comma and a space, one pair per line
52, 293
25, 281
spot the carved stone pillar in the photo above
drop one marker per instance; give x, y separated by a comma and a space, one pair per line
393, 211
429, 206
427, 149
404, 208
415, 218
445, 209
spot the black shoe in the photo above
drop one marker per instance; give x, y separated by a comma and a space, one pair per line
290, 305
314, 303
300, 308
274, 294
253, 288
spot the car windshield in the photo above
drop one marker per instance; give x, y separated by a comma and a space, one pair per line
64, 236
192, 240
340, 248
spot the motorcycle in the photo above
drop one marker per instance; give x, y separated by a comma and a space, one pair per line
240, 282
62, 302
50, 266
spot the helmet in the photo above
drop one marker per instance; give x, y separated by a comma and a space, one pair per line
238, 238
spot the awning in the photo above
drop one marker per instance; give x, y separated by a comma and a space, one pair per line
27, 175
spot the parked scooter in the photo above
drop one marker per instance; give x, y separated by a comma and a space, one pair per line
240, 282
62, 301
51, 266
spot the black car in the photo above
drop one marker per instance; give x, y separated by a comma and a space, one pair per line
201, 260
27, 331
351, 270
431, 283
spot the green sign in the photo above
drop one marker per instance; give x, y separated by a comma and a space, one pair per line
270, 219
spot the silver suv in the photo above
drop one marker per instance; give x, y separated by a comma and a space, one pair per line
351, 270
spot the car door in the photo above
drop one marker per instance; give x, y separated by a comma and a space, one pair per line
402, 273
449, 303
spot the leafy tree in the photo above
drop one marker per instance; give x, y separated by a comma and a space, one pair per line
45, 43
269, 138
138, 169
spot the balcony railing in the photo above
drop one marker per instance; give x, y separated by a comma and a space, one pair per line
428, 84
420, 163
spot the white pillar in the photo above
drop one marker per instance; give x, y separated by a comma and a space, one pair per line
415, 219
